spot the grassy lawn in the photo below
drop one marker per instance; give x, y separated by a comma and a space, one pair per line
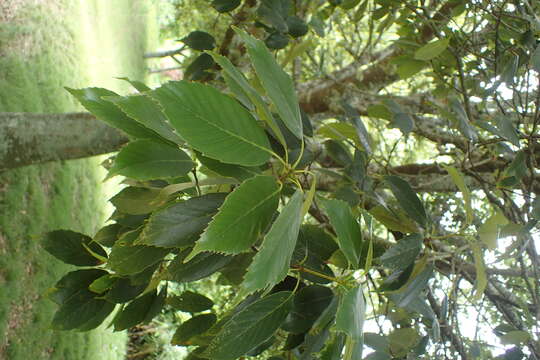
44, 46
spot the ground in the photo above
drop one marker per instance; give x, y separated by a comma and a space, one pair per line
44, 46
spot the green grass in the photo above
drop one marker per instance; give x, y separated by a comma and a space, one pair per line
42, 49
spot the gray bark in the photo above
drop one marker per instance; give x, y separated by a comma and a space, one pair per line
27, 138
165, 53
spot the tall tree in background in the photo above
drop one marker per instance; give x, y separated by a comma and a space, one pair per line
381, 193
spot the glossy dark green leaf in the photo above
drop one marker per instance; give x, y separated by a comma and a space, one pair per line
73, 248
271, 264
376, 342
197, 70
195, 326
242, 218
180, 224
276, 41
407, 199
403, 254
347, 229
92, 100
351, 313
276, 82
136, 200
79, 307
201, 266
308, 305
275, 13
250, 327
148, 160
108, 235
190, 301
73, 282
140, 310
199, 40
132, 259
229, 170
124, 290
297, 27
314, 342
213, 123
147, 112
249, 97
224, 6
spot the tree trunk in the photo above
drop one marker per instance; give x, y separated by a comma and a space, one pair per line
34, 138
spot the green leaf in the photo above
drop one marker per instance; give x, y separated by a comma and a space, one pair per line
238, 83
490, 229
72, 247
459, 180
400, 119
276, 82
138, 85
403, 254
223, 6
201, 266
340, 131
79, 307
297, 26
460, 115
136, 200
275, 13
535, 212
347, 229
140, 310
402, 340
396, 221
190, 301
414, 288
213, 123
276, 41
507, 129
242, 218
481, 277
73, 282
272, 262
351, 313
515, 337
408, 67
195, 326
535, 59
228, 170
147, 112
102, 284
92, 100
199, 40
132, 259
407, 199
431, 50
180, 224
197, 69
124, 290
250, 327
309, 303
108, 235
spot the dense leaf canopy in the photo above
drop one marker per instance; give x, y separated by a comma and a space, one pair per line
364, 174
